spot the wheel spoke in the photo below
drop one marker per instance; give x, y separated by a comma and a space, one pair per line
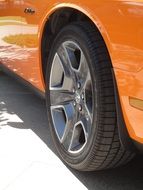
60, 97
86, 121
61, 52
80, 132
83, 71
69, 128
66, 62
60, 74
89, 112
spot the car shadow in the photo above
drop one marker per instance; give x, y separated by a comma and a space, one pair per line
17, 100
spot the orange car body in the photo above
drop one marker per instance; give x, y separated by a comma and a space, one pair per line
120, 23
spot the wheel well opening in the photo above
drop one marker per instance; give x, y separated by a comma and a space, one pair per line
54, 24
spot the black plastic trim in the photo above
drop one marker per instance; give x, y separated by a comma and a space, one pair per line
139, 146
125, 139
23, 81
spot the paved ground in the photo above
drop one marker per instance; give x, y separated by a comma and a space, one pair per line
27, 158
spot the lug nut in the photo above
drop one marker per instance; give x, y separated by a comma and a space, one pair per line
80, 108
73, 90
82, 96
74, 103
87, 118
78, 85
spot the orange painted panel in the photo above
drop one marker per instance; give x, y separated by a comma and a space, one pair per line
131, 85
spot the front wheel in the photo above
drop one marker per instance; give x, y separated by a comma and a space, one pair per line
80, 100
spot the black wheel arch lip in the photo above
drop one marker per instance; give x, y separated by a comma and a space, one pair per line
125, 139
139, 146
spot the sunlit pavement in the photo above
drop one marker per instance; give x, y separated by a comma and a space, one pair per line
26, 162
27, 155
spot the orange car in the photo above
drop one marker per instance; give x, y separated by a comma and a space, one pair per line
86, 57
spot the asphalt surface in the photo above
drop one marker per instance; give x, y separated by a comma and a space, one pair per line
28, 158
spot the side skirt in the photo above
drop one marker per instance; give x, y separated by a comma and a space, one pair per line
23, 81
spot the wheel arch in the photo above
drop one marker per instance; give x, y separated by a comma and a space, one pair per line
58, 17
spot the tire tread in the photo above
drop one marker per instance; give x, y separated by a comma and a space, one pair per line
108, 151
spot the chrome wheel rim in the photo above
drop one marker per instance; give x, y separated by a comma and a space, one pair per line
71, 97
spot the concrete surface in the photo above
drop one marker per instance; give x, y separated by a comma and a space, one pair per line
27, 155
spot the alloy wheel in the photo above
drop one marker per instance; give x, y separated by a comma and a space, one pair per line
71, 97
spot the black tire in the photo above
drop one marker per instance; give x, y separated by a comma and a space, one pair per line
103, 149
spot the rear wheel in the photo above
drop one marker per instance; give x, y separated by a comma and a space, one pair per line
80, 100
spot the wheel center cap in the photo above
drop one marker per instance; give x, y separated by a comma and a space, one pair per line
77, 98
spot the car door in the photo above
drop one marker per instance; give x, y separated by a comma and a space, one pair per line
10, 32
30, 64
